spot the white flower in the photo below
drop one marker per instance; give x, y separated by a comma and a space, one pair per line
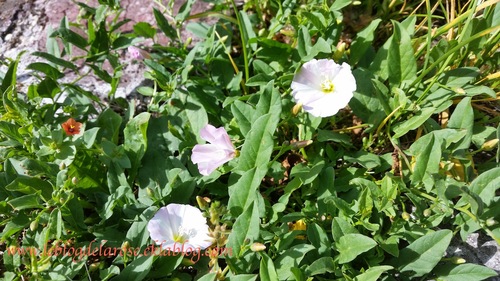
178, 228
323, 87
138, 53
209, 157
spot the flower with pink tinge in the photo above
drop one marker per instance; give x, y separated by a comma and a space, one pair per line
138, 53
323, 87
180, 228
210, 156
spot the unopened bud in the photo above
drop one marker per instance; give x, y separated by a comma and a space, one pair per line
337, 55
459, 91
427, 213
62, 166
33, 225
203, 202
405, 216
125, 246
74, 180
301, 144
150, 192
489, 145
491, 222
257, 247
94, 266
296, 109
458, 260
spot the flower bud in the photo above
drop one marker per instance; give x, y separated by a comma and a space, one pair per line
489, 145
150, 192
257, 247
34, 225
74, 180
94, 266
301, 144
296, 109
62, 166
405, 216
427, 213
125, 246
203, 202
458, 260
491, 222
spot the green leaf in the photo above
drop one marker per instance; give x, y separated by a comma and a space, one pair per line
47, 69
258, 145
30, 185
291, 258
352, 245
373, 273
245, 227
427, 153
421, 256
486, 185
55, 60
242, 277
242, 192
208, 277
136, 270
136, 141
318, 238
10, 78
247, 30
463, 119
164, 25
363, 41
144, 29
341, 227
303, 42
465, 272
414, 122
267, 271
26, 202
243, 113
321, 266
401, 58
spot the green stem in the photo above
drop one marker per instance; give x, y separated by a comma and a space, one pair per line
243, 43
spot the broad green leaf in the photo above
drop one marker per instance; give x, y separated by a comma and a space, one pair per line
259, 143
30, 185
401, 59
303, 42
341, 227
459, 77
412, 123
267, 272
363, 41
427, 153
290, 258
352, 245
365, 102
26, 202
463, 119
321, 266
109, 122
318, 238
486, 185
195, 117
242, 191
243, 113
136, 270
421, 256
245, 227
209, 277
144, 29
373, 273
136, 141
465, 272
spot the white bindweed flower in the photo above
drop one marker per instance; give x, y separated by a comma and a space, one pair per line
210, 156
180, 228
323, 87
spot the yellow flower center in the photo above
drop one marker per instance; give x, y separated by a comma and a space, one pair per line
183, 235
327, 86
